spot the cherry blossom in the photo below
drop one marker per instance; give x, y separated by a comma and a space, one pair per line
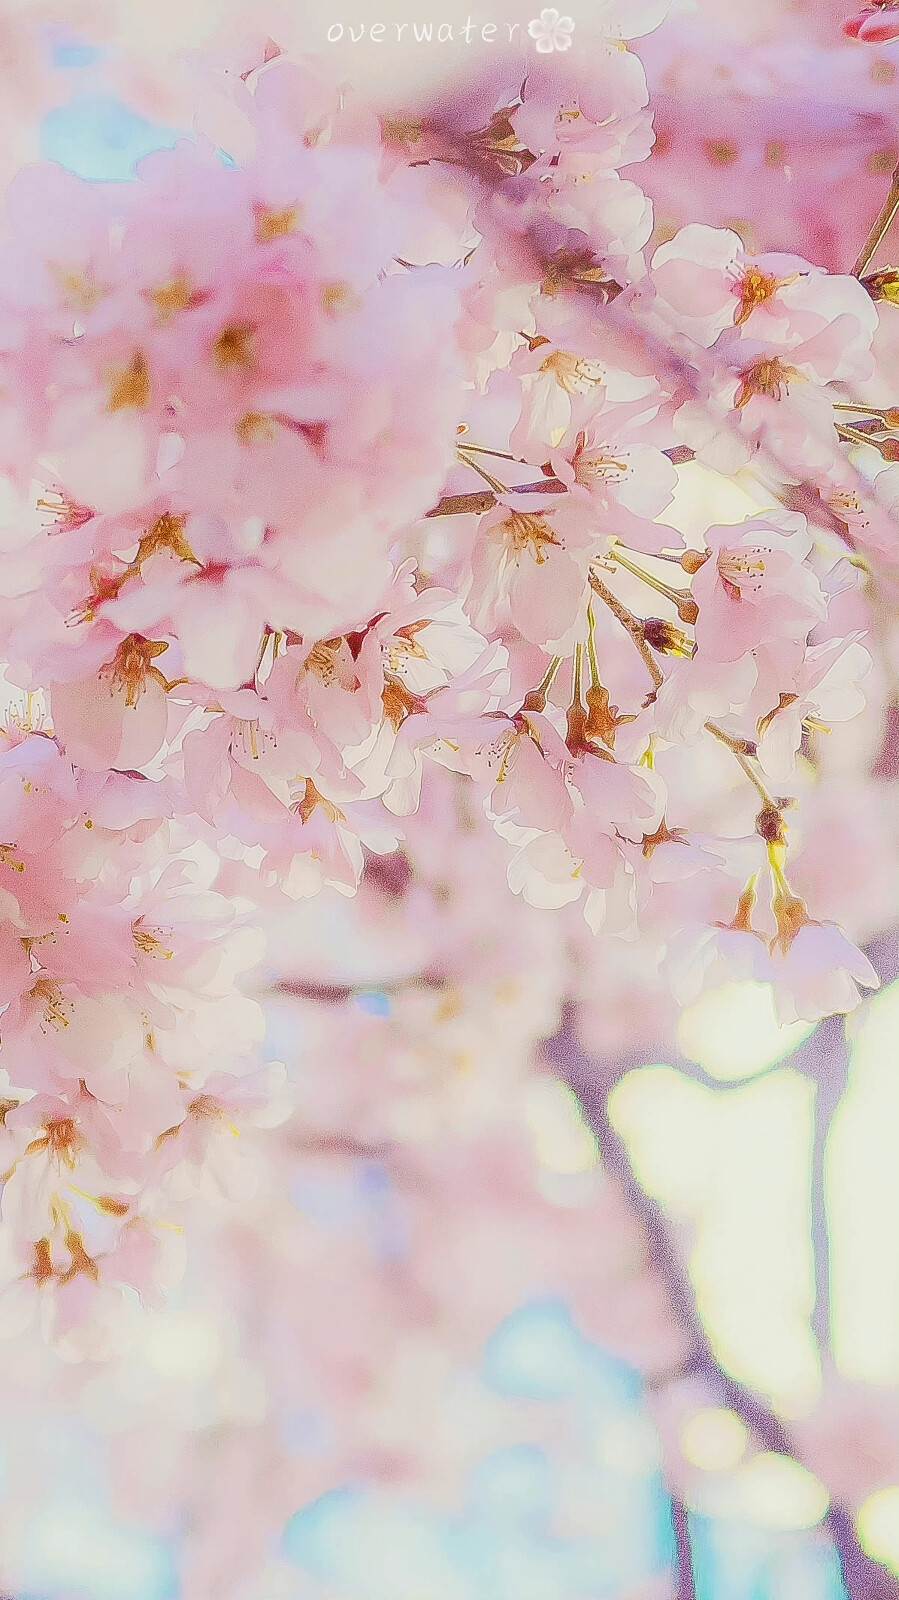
815, 968
705, 282
753, 581
533, 567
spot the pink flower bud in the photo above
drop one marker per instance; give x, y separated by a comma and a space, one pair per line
880, 27
875, 24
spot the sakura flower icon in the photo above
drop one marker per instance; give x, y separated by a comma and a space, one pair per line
551, 31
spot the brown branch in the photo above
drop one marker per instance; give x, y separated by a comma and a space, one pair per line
634, 627
686, 1581
880, 228
457, 505
333, 994
305, 1143
740, 747
460, 505
592, 1081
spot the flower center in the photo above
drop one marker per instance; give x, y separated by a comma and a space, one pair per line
206, 1108
525, 530
404, 644
104, 586
76, 288
133, 665
401, 130
170, 298
250, 737
754, 289
62, 1139
130, 387
741, 570
234, 345
9, 860
321, 660
56, 1008
399, 702
273, 224
769, 376
167, 533
589, 468
149, 941
336, 296
662, 835
574, 374
257, 427
80, 1260
310, 799
62, 511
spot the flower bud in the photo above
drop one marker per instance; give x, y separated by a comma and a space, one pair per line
883, 285
875, 23
769, 825
666, 638
692, 560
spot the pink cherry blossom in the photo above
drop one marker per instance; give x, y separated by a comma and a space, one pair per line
532, 568
705, 282
754, 587
816, 970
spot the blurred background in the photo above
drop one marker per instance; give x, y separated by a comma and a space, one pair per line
612, 1315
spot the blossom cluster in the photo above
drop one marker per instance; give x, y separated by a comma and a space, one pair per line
129, 1057
359, 457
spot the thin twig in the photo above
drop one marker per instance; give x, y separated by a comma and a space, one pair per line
741, 750
682, 599
880, 228
325, 993
634, 627
766, 798
740, 747
503, 455
496, 486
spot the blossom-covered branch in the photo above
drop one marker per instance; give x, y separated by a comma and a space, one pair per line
375, 458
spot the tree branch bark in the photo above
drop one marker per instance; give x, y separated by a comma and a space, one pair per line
686, 1582
592, 1081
